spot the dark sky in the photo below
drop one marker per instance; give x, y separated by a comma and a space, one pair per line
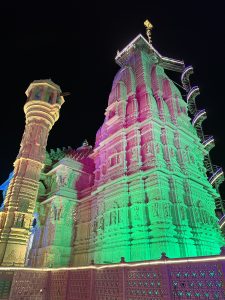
75, 46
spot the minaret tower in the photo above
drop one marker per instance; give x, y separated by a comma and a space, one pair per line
44, 100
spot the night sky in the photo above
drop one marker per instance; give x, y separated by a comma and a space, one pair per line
75, 46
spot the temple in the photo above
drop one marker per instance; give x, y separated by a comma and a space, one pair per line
147, 192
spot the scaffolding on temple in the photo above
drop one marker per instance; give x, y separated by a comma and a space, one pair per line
215, 173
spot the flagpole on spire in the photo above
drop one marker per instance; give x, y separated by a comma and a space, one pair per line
149, 27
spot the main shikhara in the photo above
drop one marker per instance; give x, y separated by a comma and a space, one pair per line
147, 187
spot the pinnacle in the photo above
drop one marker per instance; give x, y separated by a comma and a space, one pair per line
85, 143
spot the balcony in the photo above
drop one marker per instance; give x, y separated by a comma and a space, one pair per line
217, 177
199, 117
193, 93
208, 143
222, 222
185, 77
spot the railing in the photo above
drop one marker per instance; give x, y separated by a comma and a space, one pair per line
217, 177
199, 117
164, 279
208, 142
222, 222
193, 93
185, 77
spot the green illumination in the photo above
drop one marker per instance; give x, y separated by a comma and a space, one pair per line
148, 191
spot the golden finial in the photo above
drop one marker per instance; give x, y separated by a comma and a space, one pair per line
149, 27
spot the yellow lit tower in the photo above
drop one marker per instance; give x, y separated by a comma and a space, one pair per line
44, 100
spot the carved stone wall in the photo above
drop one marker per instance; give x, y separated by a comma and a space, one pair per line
54, 232
151, 192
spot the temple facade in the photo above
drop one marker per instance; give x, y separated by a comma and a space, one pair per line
147, 187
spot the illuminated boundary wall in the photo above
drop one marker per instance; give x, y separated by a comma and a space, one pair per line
193, 278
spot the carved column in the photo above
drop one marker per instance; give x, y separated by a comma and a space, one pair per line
42, 111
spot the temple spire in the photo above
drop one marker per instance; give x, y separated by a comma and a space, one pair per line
85, 143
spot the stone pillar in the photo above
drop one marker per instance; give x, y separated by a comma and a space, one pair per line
42, 111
